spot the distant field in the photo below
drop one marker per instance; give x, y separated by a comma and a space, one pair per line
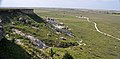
107, 22
98, 46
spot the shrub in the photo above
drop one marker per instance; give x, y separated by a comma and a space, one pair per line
67, 44
67, 56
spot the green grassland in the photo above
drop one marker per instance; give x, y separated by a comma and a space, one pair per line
98, 46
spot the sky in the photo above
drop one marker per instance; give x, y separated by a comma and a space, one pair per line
87, 4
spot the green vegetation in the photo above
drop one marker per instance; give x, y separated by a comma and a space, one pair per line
98, 46
36, 28
67, 56
94, 45
10, 50
51, 52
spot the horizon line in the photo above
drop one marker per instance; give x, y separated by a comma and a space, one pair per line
58, 8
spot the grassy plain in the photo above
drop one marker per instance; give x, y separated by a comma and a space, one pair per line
97, 46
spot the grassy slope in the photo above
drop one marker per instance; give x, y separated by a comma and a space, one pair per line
98, 46
9, 49
40, 34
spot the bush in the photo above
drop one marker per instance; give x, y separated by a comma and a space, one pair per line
51, 52
67, 56
67, 44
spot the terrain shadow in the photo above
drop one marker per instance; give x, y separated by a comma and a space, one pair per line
10, 50
36, 18
6, 16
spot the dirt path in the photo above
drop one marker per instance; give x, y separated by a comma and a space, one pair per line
97, 29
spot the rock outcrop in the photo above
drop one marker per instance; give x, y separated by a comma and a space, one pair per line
38, 43
1, 30
59, 27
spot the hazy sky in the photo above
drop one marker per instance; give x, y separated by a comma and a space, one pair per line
90, 4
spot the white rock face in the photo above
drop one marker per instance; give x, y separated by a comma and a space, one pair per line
32, 39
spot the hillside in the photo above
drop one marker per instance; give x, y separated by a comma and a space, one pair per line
32, 33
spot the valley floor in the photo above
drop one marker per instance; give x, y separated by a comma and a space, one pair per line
100, 32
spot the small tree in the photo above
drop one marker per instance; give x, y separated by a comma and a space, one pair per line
51, 52
67, 56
